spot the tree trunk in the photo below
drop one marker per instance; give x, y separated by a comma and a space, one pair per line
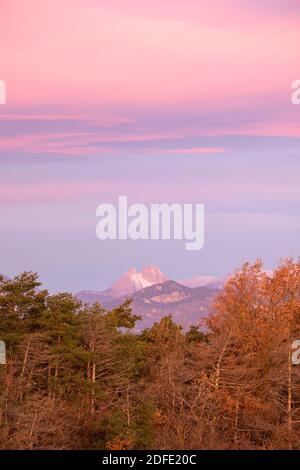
289, 393
93, 378
128, 406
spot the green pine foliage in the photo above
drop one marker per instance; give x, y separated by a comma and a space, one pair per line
81, 377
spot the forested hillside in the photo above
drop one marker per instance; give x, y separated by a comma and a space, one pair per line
77, 377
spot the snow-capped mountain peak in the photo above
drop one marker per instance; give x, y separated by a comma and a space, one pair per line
132, 280
199, 281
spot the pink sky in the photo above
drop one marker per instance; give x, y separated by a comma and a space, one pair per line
135, 71
112, 62
161, 100
147, 54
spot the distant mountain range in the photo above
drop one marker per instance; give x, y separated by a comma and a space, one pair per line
131, 281
186, 305
154, 296
205, 281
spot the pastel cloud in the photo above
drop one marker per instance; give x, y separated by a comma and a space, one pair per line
86, 135
161, 100
252, 195
103, 53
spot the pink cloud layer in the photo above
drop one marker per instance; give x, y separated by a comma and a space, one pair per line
132, 54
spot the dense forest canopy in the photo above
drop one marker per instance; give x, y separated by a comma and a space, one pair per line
78, 377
